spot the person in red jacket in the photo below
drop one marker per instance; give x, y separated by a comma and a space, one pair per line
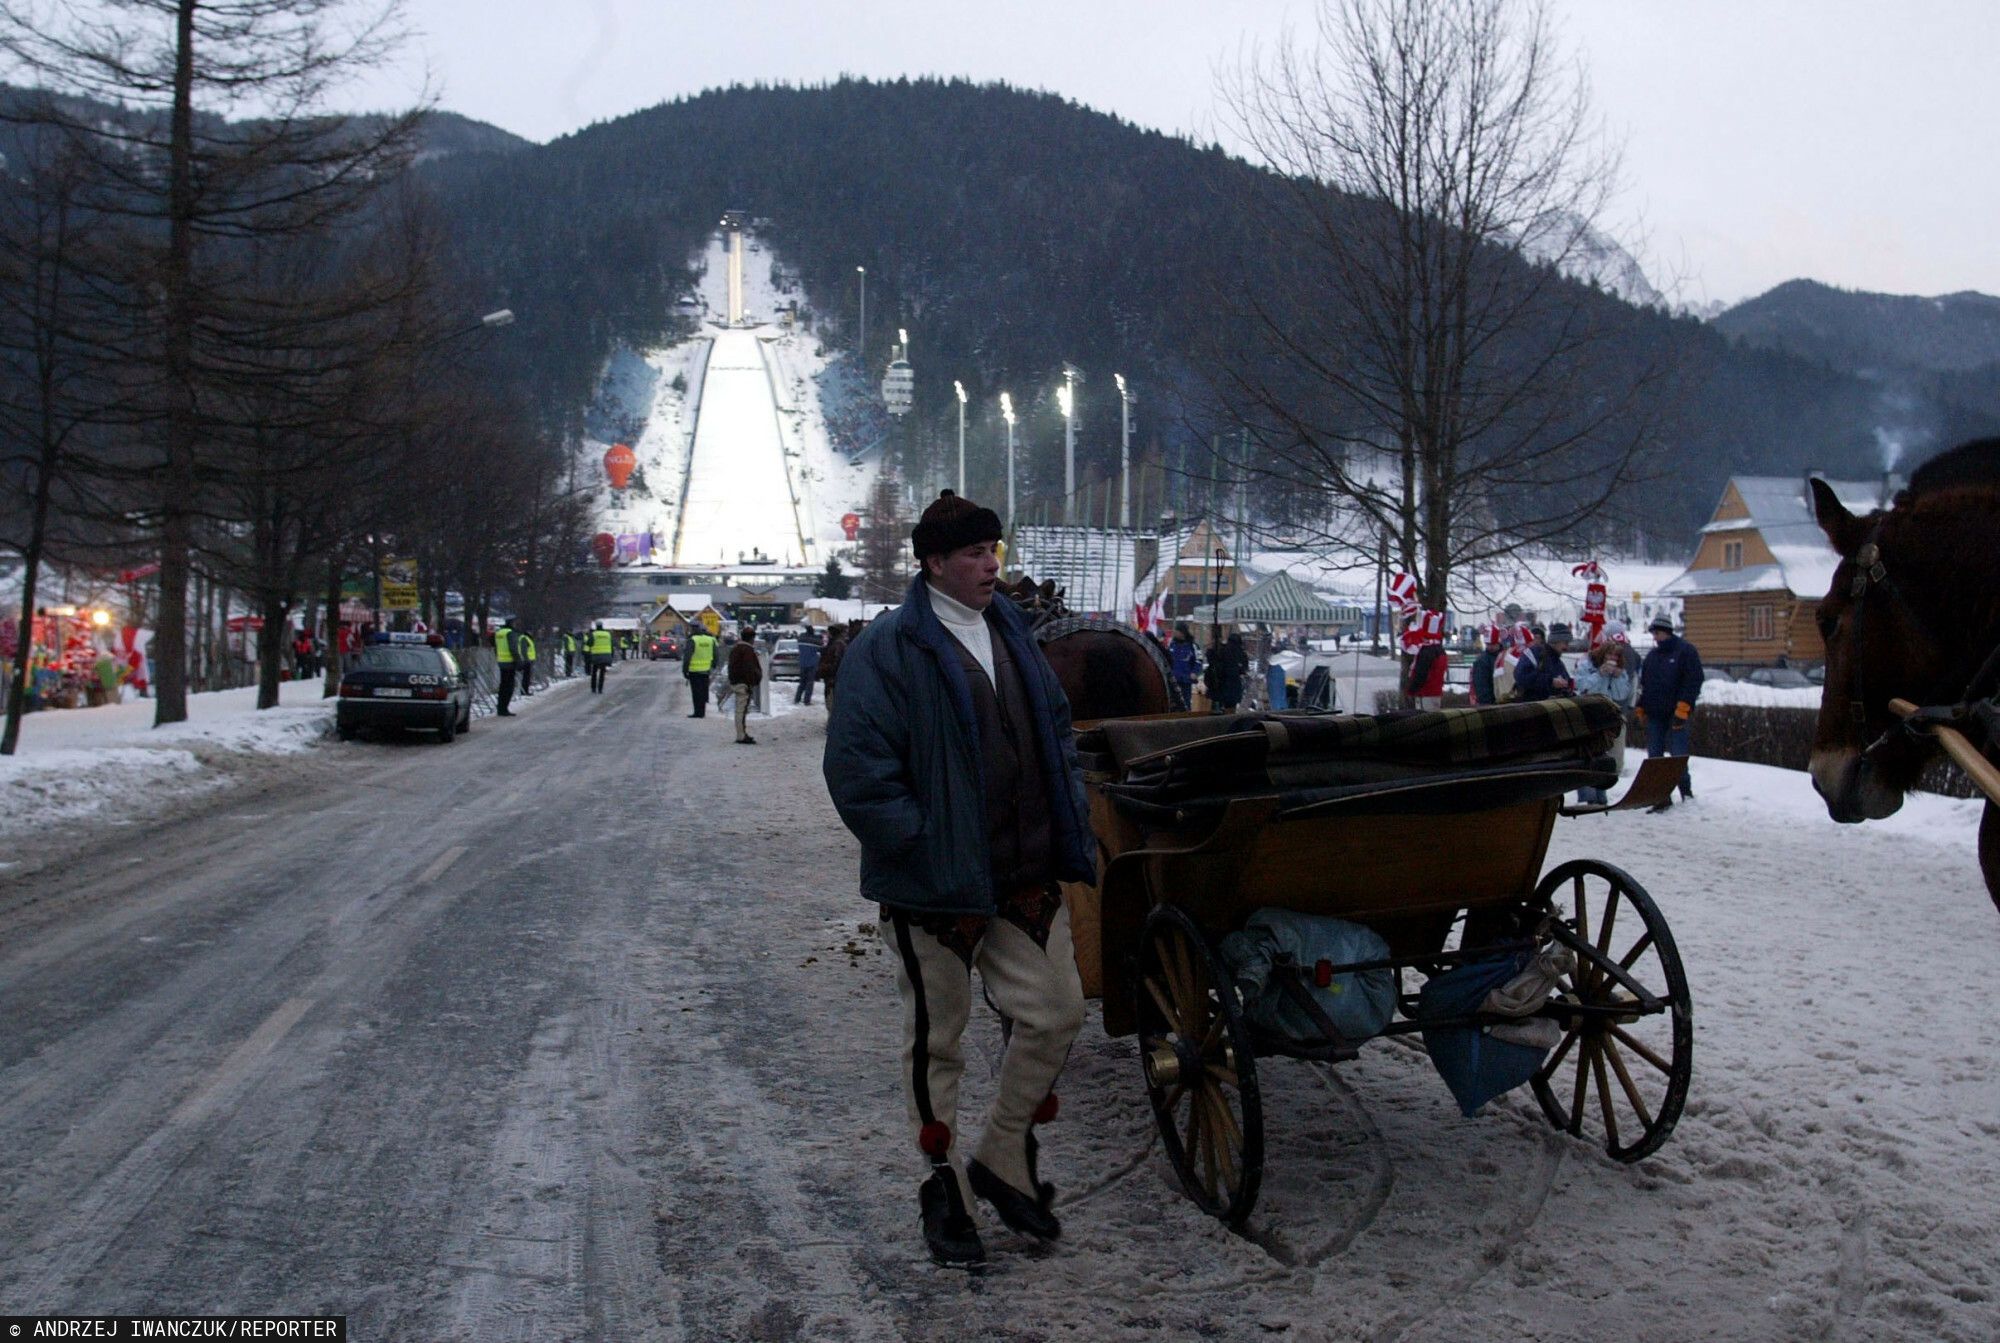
1426, 683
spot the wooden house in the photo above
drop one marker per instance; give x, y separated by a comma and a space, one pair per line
1194, 569
1750, 592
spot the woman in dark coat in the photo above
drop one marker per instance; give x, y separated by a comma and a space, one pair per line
1228, 667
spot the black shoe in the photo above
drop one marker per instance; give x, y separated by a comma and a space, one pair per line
949, 1232
1029, 1216
504, 713
1659, 807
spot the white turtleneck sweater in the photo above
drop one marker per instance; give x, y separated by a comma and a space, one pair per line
966, 625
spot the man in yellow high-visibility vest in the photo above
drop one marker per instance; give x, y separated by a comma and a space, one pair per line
698, 666
508, 653
598, 652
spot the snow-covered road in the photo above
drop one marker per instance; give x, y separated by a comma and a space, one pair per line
638, 1081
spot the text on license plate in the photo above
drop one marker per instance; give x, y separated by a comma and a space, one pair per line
393, 692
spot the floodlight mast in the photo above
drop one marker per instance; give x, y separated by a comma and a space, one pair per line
959, 387
1007, 414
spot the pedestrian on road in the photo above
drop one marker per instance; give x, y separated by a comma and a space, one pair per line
809, 651
599, 656
746, 673
1184, 660
697, 663
829, 661
507, 652
949, 755
1669, 685
569, 653
527, 664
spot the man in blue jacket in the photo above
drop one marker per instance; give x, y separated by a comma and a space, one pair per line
1669, 685
1540, 673
949, 755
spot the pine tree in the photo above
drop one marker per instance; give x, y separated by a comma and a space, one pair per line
833, 583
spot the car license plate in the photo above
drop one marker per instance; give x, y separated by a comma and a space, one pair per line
394, 692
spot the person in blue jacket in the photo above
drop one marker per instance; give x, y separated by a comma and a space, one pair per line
1184, 661
1669, 686
1540, 671
949, 755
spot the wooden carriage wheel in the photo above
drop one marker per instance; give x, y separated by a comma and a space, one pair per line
1618, 1078
1199, 1071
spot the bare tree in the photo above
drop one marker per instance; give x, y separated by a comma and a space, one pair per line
198, 188
1431, 374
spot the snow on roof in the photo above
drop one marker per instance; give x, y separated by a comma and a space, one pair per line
689, 603
1701, 582
1780, 511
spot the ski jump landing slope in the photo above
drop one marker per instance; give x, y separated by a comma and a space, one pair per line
741, 497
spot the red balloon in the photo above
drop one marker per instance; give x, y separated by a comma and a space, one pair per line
605, 547
851, 524
618, 463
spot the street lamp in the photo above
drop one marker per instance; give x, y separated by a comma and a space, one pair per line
1066, 398
861, 339
1007, 414
1124, 452
959, 387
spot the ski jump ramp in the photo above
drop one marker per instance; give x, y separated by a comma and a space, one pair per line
743, 497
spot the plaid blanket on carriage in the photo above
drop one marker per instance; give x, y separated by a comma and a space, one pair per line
1294, 752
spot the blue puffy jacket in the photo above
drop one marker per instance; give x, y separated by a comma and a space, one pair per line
903, 765
1536, 670
1185, 657
1670, 675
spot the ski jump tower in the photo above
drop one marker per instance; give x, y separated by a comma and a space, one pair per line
732, 232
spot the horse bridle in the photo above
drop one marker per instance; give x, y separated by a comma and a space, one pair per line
1975, 703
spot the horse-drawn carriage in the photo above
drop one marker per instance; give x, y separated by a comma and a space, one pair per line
1429, 831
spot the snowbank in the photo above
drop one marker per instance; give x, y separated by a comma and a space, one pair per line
1760, 696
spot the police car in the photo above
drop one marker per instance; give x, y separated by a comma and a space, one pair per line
404, 680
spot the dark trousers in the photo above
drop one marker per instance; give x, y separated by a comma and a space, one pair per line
808, 677
600, 663
1666, 737
506, 685
698, 692
527, 678
569, 664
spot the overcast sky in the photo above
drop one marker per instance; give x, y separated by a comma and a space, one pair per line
1851, 141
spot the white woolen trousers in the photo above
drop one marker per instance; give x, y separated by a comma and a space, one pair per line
1036, 988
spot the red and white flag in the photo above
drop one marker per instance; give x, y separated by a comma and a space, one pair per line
1158, 615
1142, 617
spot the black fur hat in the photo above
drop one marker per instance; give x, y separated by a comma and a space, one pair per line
951, 522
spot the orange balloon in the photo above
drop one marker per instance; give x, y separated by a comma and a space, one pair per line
618, 463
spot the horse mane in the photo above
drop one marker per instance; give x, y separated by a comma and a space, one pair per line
1969, 465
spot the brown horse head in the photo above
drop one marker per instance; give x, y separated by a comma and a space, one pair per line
1913, 609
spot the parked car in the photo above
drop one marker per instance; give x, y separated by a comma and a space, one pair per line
404, 681
785, 660
1779, 678
1816, 673
1715, 674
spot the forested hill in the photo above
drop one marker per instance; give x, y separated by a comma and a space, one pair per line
1011, 231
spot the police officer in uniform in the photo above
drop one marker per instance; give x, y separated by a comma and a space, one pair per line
527, 643
699, 665
569, 653
598, 653
508, 653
